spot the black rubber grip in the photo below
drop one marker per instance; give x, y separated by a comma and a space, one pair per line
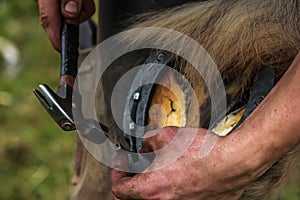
69, 49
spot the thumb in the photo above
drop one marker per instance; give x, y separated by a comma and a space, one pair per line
77, 11
71, 8
157, 139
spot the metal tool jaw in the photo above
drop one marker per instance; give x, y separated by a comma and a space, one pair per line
58, 105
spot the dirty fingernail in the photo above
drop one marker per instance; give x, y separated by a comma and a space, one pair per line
71, 7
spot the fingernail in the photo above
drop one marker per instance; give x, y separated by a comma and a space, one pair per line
71, 7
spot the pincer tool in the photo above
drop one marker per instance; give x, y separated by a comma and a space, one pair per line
59, 104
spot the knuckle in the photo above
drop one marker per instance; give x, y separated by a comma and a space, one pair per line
88, 9
150, 193
114, 191
44, 20
170, 131
92, 8
89, 6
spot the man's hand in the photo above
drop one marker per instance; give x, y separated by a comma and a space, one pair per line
220, 175
235, 160
52, 12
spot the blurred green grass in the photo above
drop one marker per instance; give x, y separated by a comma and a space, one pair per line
35, 155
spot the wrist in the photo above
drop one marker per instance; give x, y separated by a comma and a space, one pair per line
260, 143
273, 128
248, 154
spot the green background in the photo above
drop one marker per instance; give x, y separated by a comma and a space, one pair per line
35, 155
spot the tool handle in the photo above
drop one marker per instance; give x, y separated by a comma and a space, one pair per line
69, 53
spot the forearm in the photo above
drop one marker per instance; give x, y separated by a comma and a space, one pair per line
273, 128
277, 121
